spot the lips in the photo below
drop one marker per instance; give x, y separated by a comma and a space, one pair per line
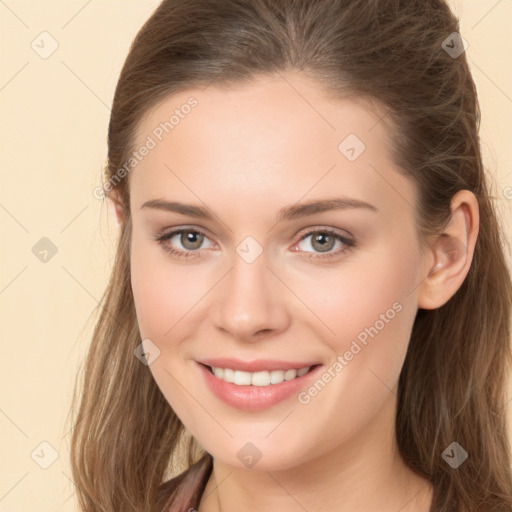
263, 394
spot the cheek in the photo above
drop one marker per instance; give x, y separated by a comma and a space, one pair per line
163, 290
369, 307
164, 296
371, 310
153, 297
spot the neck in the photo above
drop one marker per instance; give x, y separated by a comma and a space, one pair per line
364, 473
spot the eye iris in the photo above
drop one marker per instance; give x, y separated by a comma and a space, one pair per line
193, 237
324, 247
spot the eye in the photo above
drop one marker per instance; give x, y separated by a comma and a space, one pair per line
190, 239
323, 241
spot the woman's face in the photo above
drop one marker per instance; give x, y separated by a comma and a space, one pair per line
265, 283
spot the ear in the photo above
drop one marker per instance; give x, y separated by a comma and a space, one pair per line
115, 200
451, 252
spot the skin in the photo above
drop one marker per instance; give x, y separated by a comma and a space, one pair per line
245, 152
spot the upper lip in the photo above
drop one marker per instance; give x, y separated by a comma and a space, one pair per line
257, 365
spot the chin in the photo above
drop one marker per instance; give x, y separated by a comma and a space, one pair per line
251, 458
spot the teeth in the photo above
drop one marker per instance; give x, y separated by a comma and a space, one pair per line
302, 371
242, 378
229, 375
263, 378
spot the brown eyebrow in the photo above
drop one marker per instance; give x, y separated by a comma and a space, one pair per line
295, 211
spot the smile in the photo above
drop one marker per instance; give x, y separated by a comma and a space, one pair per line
262, 378
257, 389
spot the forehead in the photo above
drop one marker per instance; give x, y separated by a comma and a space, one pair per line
279, 137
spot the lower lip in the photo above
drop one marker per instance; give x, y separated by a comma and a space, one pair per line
254, 398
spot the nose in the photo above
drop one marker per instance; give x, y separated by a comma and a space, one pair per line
250, 302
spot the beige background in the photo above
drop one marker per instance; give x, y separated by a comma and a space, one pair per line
54, 114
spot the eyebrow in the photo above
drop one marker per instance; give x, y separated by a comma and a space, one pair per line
292, 212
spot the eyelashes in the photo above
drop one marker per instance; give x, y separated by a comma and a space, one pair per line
163, 239
322, 234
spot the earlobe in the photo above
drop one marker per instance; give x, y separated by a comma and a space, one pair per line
118, 207
119, 213
452, 252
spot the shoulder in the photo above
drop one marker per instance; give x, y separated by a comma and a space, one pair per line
185, 490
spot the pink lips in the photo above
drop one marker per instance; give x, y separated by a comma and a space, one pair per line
254, 398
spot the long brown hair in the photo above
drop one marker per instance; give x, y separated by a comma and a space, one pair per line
126, 439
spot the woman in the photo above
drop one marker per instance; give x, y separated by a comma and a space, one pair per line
310, 299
